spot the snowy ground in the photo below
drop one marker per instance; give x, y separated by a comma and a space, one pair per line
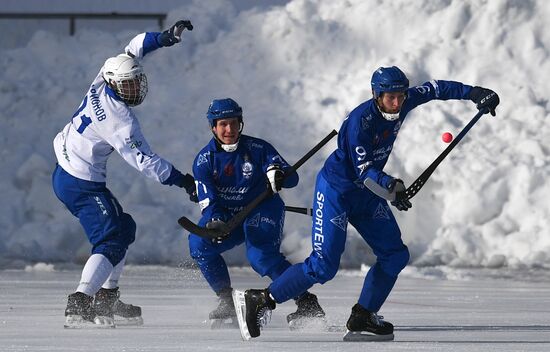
473, 312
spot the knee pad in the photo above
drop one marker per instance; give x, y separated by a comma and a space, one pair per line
115, 243
114, 252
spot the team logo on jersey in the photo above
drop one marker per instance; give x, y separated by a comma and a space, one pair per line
381, 212
228, 170
203, 158
254, 221
255, 145
365, 121
341, 221
363, 167
247, 168
268, 220
385, 134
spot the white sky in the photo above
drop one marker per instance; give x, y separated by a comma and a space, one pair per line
297, 70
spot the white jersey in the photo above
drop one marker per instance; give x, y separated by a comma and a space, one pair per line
104, 123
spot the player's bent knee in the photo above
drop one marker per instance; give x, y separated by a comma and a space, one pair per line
272, 266
321, 272
128, 229
397, 262
114, 252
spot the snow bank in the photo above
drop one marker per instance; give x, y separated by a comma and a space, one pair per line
297, 70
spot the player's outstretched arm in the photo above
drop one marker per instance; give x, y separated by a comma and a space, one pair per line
172, 35
144, 43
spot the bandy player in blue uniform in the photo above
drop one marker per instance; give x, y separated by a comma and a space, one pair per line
231, 171
351, 188
103, 123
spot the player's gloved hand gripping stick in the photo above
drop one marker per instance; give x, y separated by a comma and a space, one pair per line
413, 189
239, 217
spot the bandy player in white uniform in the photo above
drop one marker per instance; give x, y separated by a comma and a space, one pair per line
103, 123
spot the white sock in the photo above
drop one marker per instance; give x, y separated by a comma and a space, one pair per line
112, 280
95, 272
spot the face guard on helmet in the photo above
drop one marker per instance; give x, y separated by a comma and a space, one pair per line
225, 109
125, 76
388, 79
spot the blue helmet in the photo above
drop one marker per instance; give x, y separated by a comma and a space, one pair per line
388, 79
223, 109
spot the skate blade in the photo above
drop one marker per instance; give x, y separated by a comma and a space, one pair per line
107, 322
315, 324
134, 321
229, 323
240, 308
366, 336
77, 322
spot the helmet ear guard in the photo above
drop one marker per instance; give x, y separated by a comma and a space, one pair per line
125, 75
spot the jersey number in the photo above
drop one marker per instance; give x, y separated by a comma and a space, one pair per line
84, 120
361, 153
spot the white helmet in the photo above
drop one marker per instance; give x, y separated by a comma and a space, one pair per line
125, 76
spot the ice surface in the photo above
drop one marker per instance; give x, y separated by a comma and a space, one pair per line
472, 312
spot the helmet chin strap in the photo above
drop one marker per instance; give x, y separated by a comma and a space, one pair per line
230, 147
387, 115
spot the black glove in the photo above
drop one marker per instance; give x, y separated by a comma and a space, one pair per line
172, 35
217, 224
401, 202
189, 184
485, 98
276, 176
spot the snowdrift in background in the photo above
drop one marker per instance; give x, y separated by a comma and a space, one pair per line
297, 70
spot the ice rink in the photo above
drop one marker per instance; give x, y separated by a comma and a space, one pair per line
472, 311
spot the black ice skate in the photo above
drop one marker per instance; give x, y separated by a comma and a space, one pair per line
80, 312
224, 315
109, 307
309, 314
253, 309
363, 325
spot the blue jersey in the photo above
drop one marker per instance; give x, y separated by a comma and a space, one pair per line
228, 181
366, 139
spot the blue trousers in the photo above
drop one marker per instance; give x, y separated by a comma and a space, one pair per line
109, 229
373, 219
261, 232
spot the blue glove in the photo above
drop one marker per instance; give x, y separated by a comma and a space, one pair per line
485, 98
172, 35
401, 202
